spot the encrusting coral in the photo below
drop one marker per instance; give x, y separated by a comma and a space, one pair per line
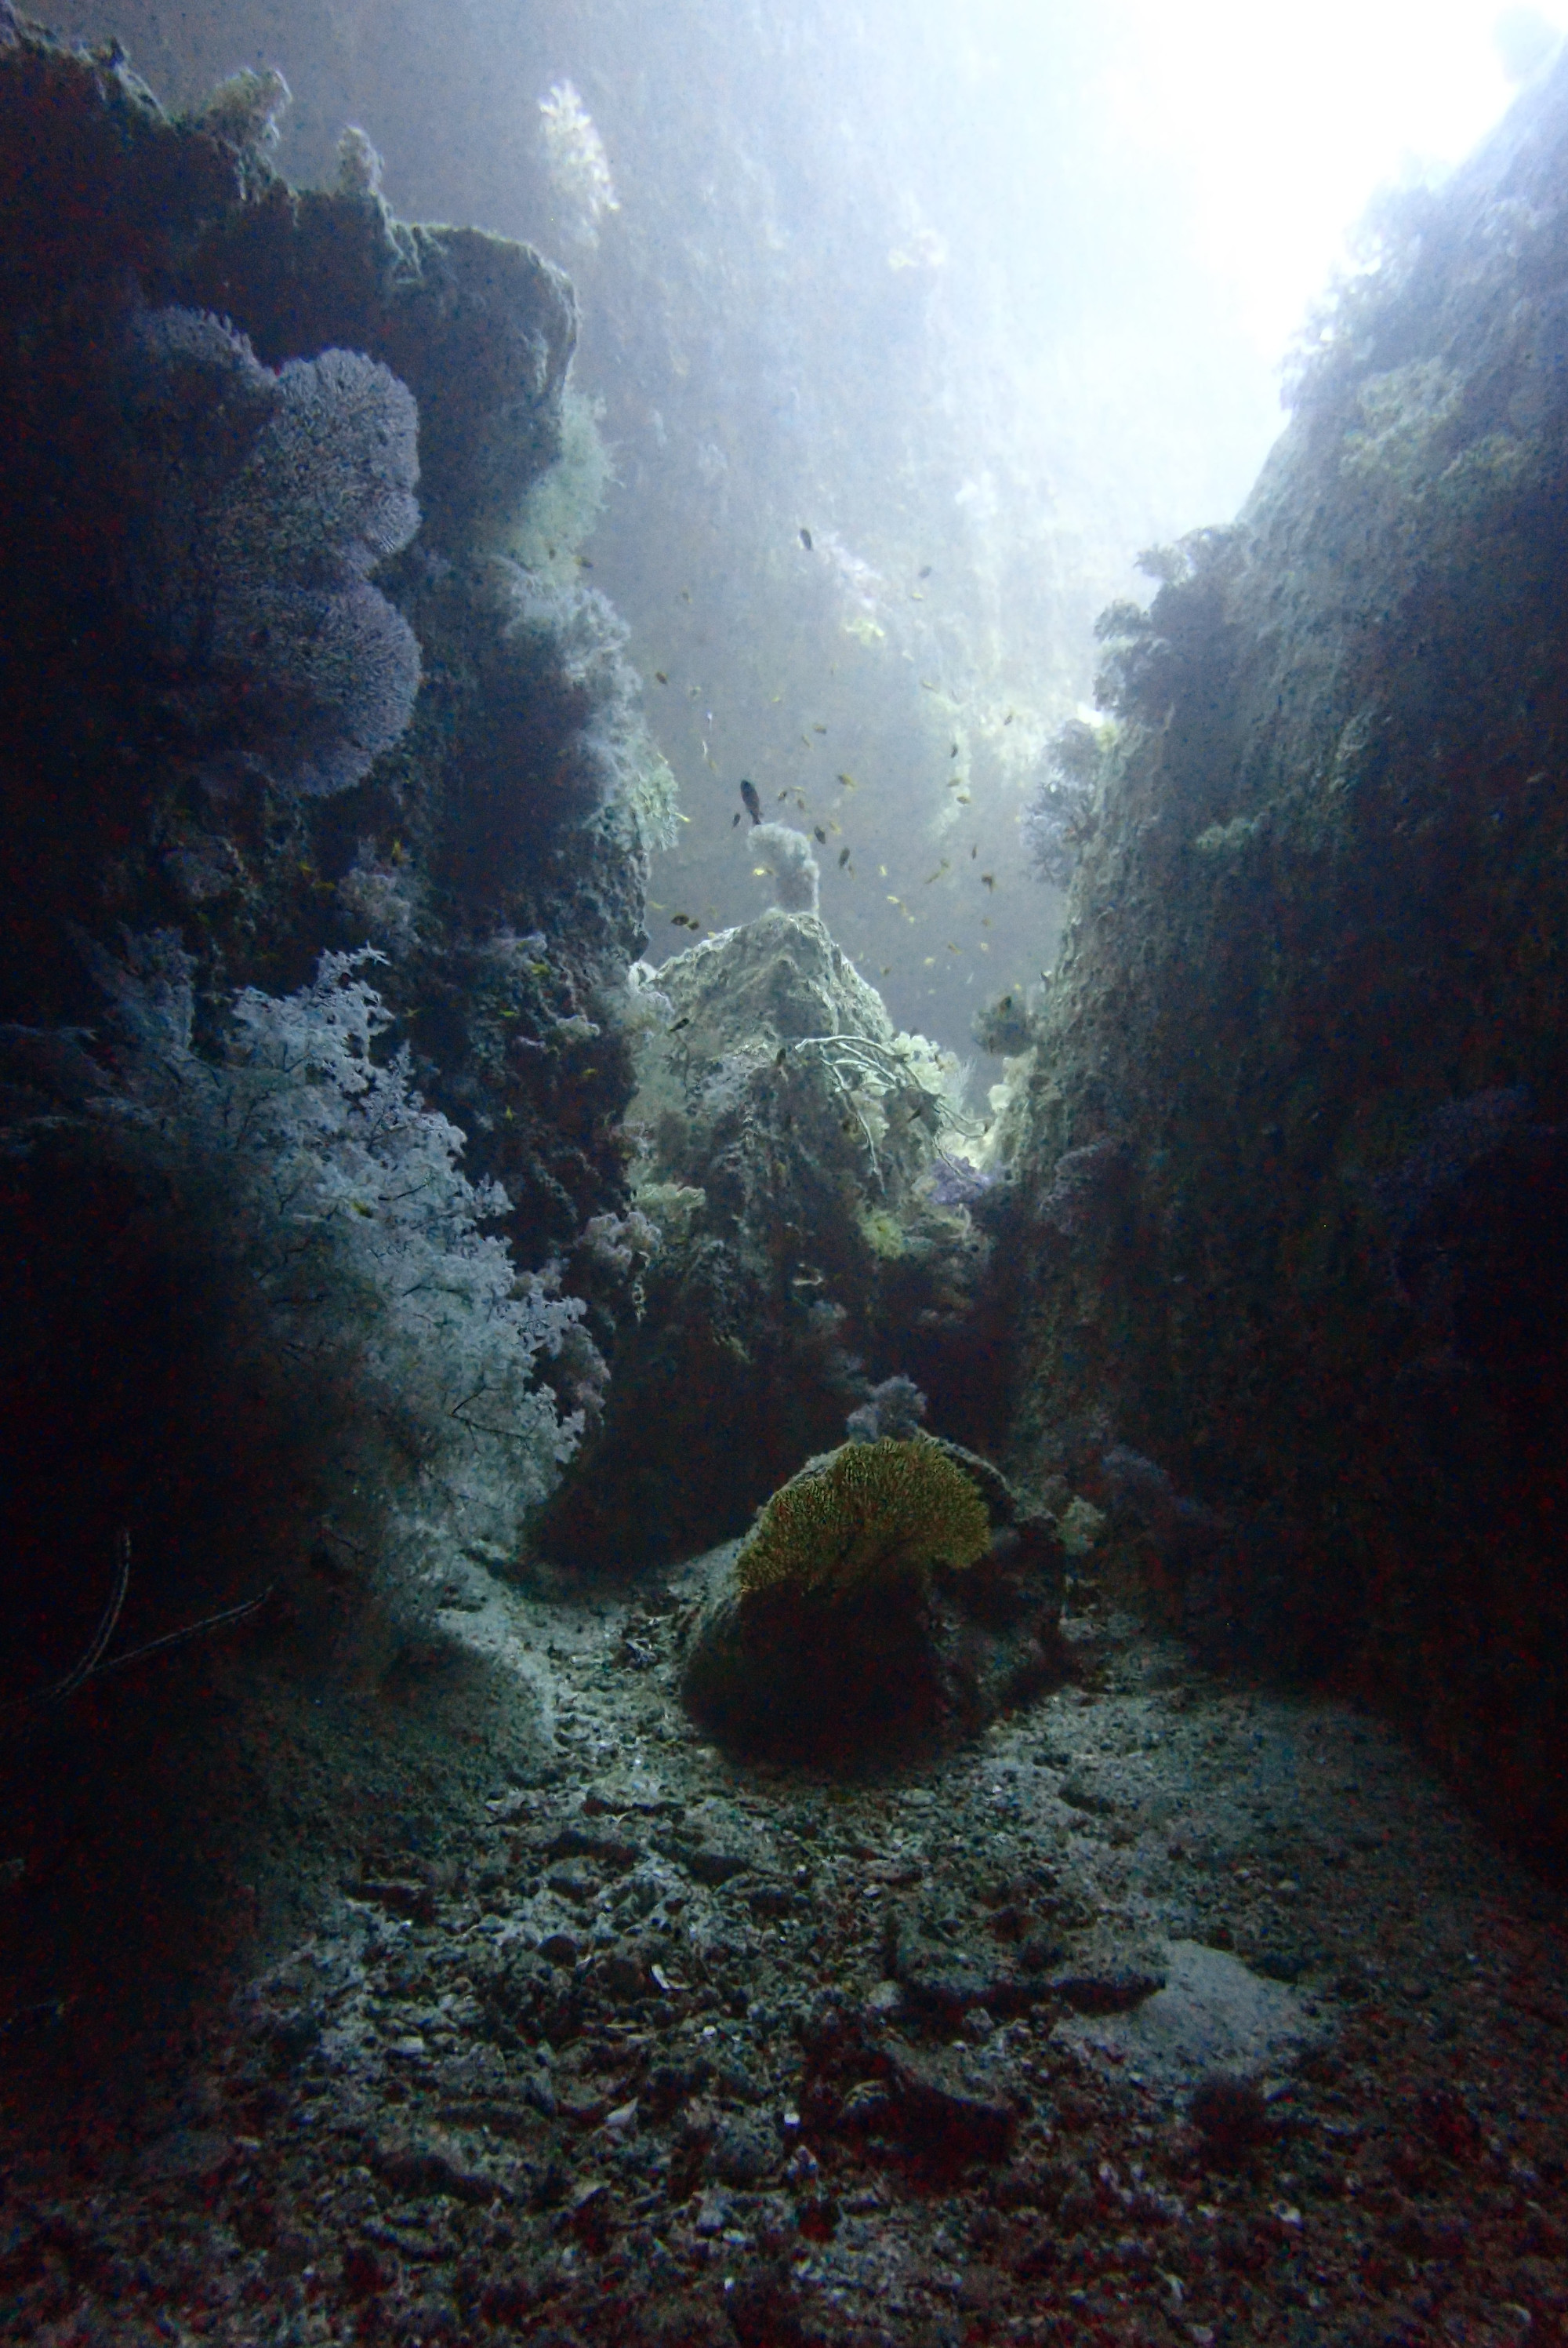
868, 1512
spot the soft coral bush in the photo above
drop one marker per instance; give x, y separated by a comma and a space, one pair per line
332, 1198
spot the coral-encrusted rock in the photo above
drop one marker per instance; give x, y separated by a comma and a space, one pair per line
791, 1144
211, 718
800, 1666
480, 328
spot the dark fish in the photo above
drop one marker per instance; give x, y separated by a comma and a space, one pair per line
805, 538
843, 858
676, 1025
990, 878
925, 571
584, 563
818, 833
734, 821
954, 751
753, 804
660, 676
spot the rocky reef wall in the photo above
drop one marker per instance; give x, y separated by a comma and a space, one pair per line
285, 717
1292, 1199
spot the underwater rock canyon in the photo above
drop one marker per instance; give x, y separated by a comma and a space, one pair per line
458, 1883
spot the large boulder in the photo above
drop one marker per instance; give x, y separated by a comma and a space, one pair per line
892, 1593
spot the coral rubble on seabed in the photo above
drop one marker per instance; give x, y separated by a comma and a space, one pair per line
630, 2045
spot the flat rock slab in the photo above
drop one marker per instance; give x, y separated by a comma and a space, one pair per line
1215, 2013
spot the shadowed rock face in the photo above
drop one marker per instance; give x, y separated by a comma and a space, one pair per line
1310, 1009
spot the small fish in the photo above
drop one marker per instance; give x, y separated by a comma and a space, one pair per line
781, 1055
849, 782
676, 1025
584, 563
818, 833
1008, 718
937, 874
682, 921
785, 793
975, 850
660, 677
685, 595
734, 821
753, 804
819, 729
843, 858
990, 878
925, 571
928, 686
954, 751
805, 538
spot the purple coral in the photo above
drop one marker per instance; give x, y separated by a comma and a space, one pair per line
262, 503
955, 1182
892, 1410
